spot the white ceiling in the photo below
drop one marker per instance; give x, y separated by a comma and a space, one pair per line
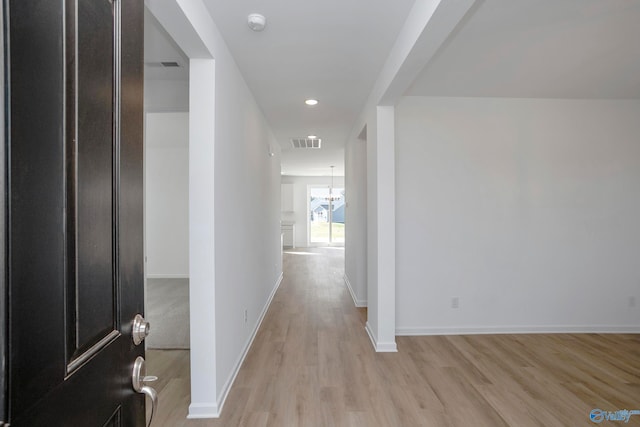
160, 47
540, 49
332, 50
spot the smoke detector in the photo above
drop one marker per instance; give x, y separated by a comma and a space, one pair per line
256, 21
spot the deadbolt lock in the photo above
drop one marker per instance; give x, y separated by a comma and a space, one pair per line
140, 329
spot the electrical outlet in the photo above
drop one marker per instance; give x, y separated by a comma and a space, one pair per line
632, 302
455, 302
245, 315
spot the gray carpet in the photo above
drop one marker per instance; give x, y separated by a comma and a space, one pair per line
167, 310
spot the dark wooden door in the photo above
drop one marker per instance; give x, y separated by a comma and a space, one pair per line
74, 194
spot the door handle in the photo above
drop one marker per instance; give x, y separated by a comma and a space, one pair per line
140, 329
138, 380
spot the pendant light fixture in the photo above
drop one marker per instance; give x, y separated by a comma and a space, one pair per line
331, 196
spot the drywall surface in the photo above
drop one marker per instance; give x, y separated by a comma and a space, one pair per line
167, 194
525, 211
356, 219
166, 96
248, 255
236, 258
247, 222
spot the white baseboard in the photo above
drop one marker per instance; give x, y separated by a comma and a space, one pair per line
167, 276
380, 347
203, 410
556, 329
229, 383
356, 301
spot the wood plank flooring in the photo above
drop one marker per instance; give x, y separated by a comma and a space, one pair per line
312, 364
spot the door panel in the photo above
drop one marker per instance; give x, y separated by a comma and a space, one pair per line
3, 237
115, 420
33, 363
93, 141
75, 211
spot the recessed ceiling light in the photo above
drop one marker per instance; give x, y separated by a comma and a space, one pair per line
311, 102
312, 136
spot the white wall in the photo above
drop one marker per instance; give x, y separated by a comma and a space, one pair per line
166, 96
417, 43
247, 222
167, 194
300, 194
526, 210
236, 259
355, 251
202, 267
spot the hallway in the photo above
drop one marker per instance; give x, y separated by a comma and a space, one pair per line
312, 364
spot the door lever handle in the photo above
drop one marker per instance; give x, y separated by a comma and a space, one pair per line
138, 380
153, 395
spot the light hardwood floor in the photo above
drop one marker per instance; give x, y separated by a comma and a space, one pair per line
312, 364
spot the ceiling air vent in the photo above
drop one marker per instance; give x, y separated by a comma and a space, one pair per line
306, 143
163, 64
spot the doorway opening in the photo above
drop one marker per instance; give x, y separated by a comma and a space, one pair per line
166, 158
326, 211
